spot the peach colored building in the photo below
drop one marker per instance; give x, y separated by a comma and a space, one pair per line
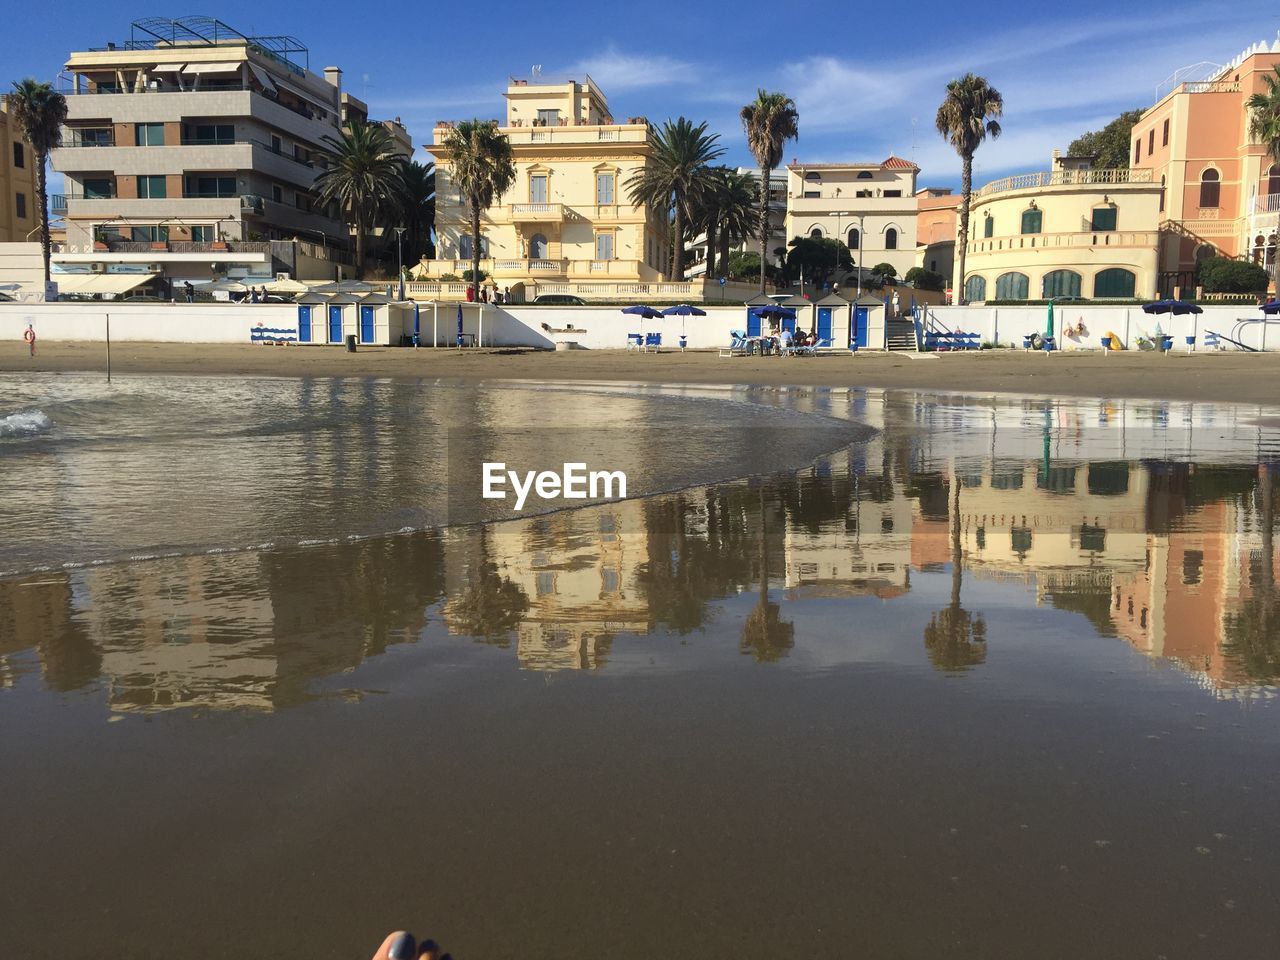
937, 211
1220, 191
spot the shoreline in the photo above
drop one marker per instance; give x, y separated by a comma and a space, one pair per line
1241, 378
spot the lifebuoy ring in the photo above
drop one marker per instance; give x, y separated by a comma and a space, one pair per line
29, 335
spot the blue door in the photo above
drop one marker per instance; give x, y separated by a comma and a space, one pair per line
366, 324
789, 323
335, 324
824, 323
753, 323
860, 327
304, 324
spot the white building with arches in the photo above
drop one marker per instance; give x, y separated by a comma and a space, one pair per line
870, 207
1071, 231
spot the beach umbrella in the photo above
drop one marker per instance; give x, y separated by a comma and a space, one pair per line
459, 324
1048, 330
643, 311
1175, 307
683, 310
1271, 306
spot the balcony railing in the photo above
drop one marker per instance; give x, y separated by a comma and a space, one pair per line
302, 109
1266, 203
1212, 86
1088, 238
528, 266
537, 211
1063, 178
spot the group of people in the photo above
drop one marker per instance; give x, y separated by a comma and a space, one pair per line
781, 342
489, 294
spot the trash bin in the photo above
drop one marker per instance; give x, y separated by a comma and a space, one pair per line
351, 343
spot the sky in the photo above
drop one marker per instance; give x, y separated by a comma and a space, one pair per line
867, 79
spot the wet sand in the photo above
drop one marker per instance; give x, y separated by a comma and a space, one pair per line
1220, 377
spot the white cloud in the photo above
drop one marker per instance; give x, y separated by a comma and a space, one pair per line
614, 70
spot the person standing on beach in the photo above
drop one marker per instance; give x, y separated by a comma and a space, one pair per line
190, 291
29, 335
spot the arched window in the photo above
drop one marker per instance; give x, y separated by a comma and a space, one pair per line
815, 233
854, 238
975, 288
537, 247
1031, 221
864, 174
813, 177
1273, 179
1114, 284
1210, 189
988, 226
891, 239
1061, 283
1012, 286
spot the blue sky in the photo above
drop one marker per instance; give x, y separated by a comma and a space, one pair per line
867, 79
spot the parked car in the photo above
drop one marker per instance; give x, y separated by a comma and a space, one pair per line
144, 298
1070, 300
559, 300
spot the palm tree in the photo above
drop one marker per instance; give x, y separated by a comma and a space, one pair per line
765, 635
737, 213
769, 121
482, 168
1264, 127
416, 207
965, 118
706, 213
676, 177
362, 174
40, 112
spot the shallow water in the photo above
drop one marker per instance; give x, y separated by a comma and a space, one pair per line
997, 680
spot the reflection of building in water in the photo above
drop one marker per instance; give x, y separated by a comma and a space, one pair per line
577, 571
864, 551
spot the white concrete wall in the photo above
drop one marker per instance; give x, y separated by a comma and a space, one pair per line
22, 264
1008, 325
163, 322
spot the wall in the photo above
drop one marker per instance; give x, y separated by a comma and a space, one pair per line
22, 264
163, 322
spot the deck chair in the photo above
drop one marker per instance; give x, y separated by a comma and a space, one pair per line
635, 341
737, 344
652, 341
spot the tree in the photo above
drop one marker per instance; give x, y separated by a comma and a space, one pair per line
885, 271
765, 635
1226, 275
770, 121
416, 206
737, 212
1264, 126
923, 279
965, 118
743, 264
676, 177
1110, 145
362, 175
817, 258
482, 168
40, 111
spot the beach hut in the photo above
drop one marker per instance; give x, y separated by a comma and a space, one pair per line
341, 316
382, 320
312, 318
804, 309
752, 322
869, 330
833, 314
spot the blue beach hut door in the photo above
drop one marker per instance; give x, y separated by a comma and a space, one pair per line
860, 327
824, 323
753, 323
335, 324
366, 324
304, 323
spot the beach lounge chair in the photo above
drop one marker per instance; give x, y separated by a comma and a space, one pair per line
811, 350
652, 341
737, 344
635, 341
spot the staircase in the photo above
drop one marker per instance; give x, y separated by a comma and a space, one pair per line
900, 334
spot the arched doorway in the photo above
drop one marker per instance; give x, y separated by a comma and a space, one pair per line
538, 247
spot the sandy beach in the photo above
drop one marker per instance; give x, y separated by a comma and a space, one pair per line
1219, 377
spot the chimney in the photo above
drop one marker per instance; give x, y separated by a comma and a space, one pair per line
334, 76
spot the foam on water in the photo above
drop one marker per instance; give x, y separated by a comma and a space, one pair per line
24, 423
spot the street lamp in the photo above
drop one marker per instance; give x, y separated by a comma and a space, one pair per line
862, 247
399, 259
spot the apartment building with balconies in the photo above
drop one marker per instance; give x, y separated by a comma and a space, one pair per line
568, 224
1219, 189
777, 231
870, 207
191, 146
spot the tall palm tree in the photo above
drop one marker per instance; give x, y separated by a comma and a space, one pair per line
1264, 127
40, 112
482, 168
770, 120
954, 638
676, 177
362, 174
416, 208
737, 213
965, 118
706, 213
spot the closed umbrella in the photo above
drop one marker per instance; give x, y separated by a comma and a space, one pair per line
1048, 330
459, 324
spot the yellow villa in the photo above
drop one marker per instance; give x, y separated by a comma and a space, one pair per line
567, 226
1070, 232
17, 180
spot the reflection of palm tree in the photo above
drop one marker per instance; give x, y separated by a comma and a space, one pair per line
955, 638
490, 606
766, 636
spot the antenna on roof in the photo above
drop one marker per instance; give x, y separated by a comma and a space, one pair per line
913, 139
